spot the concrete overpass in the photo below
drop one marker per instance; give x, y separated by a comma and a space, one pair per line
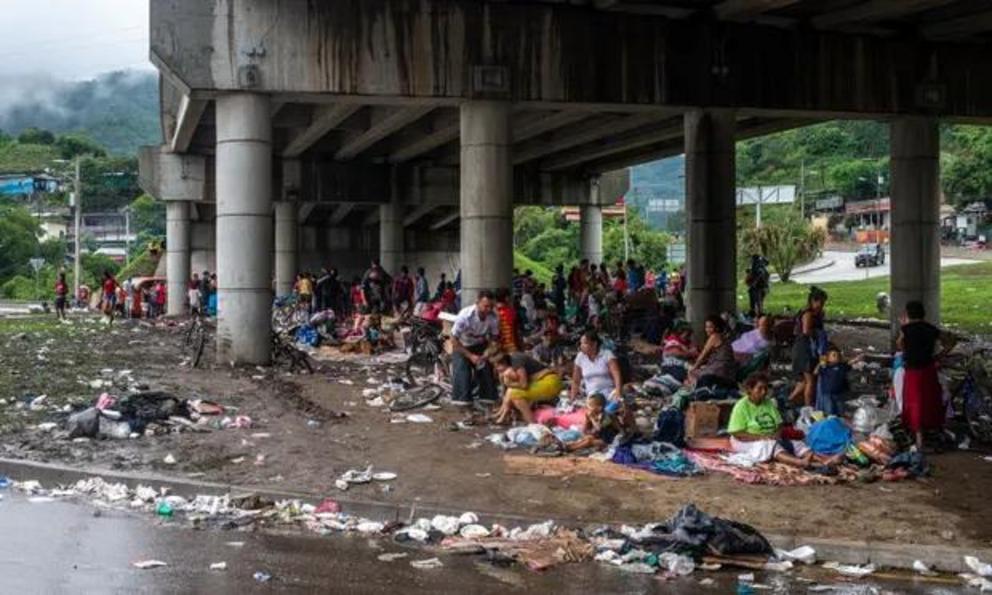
331, 131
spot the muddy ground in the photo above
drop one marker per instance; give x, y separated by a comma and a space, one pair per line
298, 443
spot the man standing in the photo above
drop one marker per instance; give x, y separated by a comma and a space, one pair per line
475, 329
403, 292
757, 281
193, 295
61, 294
422, 291
205, 293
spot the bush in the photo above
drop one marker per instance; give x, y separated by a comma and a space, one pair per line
786, 243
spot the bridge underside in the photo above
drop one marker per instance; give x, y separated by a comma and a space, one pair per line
302, 133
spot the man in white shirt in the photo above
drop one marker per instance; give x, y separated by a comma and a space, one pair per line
475, 329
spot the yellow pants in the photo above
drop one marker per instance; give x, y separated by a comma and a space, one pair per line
545, 388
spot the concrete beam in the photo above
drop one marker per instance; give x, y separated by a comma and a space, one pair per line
958, 27
446, 220
442, 134
730, 10
172, 176
875, 10
393, 121
538, 124
362, 50
418, 213
340, 212
188, 118
325, 118
373, 217
664, 131
586, 134
304, 211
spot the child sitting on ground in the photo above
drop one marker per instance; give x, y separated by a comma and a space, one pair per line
755, 431
601, 426
831, 381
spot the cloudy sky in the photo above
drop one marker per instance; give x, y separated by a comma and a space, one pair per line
73, 39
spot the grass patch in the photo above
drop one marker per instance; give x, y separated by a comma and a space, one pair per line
965, 297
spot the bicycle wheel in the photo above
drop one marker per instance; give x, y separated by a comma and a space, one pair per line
416, 397
199, 343
421, 365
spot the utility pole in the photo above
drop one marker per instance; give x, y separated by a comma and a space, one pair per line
757, 213
127, 235
802, 189
78, 206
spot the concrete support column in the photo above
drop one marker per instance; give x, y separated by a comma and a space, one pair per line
591, 233
177, 255
711, 214
915, 190
244, 228
486, 198
287, 247
391, 247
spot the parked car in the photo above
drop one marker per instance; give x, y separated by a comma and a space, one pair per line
870, 255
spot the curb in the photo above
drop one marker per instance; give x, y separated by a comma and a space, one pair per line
820, 267
884, 554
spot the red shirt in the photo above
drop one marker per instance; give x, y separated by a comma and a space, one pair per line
61, 289
109, 285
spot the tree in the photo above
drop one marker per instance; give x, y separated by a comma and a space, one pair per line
965, 172
72, 145
148, 217
36, 136
786, 243
18, 240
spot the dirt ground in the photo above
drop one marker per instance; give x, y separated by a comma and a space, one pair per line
298, 444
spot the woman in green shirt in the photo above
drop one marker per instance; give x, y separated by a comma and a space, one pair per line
755, 429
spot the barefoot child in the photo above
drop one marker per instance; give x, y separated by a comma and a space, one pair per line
601, 426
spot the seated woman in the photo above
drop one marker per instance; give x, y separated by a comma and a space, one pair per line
715, 366
754, 428
596, 370
755, 431
755, 341
527, 383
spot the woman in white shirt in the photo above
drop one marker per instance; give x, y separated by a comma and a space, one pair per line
596, 370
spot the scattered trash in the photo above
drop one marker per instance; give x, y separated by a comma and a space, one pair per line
922, 568
169, 459
328, 506
384, 476
235, 544
353, 476
392, 557
427, 564
977, 566
419, 418
262, 577
851, 569
47, 426
804, 554
164, 509
218, 566
146, 564
4, 482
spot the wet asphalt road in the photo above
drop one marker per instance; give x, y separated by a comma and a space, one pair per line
65, 547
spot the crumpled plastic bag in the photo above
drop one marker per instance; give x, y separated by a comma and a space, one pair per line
977, 566
676, 564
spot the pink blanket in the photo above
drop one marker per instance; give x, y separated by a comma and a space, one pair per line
543, 415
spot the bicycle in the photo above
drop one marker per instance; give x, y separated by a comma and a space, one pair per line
971, 398
286, 354
428, 357
195, 339
415, 397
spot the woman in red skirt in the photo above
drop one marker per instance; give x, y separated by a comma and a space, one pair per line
922, 403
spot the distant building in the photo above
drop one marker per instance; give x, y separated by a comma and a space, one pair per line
869, 221
110, 231
54, 224
24, 185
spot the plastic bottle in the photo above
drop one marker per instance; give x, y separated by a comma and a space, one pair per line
164, 509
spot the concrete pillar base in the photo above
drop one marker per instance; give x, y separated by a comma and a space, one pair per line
915, 243
486, 198
244, 228
177, 255
712, 215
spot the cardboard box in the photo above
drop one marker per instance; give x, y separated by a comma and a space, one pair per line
702, 420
